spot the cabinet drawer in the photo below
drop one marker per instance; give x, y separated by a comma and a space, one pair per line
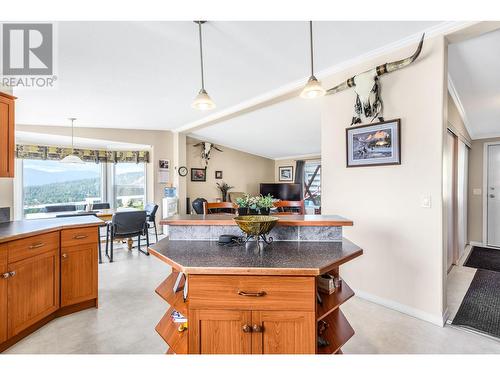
31, 246
79, 236
251, 292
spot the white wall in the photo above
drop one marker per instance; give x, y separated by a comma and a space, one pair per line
402, 265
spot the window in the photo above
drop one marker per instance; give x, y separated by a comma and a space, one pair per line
129, 185
48, 182
312, 180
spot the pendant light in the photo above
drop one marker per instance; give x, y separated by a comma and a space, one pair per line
72, 158
202, 101
313, 88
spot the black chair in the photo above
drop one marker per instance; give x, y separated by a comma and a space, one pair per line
151, 210
87, 214
100, 206
60, 208
127, 224
198, 205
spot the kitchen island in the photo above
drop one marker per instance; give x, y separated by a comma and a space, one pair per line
48, 268
254, 299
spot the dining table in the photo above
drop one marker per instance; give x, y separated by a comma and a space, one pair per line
105, 214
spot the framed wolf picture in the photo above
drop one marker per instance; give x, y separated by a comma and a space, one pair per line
374, 144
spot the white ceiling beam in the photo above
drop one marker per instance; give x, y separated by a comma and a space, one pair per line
292, 89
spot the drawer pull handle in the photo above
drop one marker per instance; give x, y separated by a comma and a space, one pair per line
37, 245
251, 294
246, 328
257, 328
79, 236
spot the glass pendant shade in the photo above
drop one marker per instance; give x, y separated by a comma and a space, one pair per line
203, 102
312, 89
73, 159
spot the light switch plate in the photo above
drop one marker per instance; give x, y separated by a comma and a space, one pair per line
476, 191
426, 201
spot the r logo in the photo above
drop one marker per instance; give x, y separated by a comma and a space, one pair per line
27, 49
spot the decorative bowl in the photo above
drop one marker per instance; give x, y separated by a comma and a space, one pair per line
256, 225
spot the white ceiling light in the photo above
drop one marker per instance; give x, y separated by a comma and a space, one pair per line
72, 158
202, 101
313, 88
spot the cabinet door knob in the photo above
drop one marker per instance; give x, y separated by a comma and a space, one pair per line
246, 328
64, 255
5, 275
12, 273
257, 328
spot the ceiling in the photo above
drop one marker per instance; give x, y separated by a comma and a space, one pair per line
473, 66
144, 75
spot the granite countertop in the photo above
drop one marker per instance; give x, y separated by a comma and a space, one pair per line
278, 258
284, 220
14, 230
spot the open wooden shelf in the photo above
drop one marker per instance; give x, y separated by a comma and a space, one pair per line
333, 301
337, 334
175, 300
168, 330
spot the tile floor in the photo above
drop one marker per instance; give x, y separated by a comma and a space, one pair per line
129, 310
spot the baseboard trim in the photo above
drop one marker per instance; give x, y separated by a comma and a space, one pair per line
405, 309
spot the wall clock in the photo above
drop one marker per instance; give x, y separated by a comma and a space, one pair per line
183, 171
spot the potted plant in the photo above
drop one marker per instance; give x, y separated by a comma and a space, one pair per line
265, 203
247, 205
224, 188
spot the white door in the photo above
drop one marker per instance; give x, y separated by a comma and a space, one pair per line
493, 195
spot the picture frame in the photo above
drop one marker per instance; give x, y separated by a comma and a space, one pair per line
163, 164
374, 144
218, 175
286, 173
198, 174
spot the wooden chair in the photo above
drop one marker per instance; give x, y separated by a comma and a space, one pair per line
226, 206
294, 207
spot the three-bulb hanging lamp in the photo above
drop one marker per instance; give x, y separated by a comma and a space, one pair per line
202, 101
313, 88
72, 158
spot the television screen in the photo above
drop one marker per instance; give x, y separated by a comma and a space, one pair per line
284, 192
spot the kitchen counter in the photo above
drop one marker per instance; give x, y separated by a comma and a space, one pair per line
278, 258
284, 220
14, 230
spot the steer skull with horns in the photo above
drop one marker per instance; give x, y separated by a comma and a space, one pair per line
206, 148
368, 104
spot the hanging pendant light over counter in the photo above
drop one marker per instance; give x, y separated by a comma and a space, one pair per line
313, 88
72, 158
202, 101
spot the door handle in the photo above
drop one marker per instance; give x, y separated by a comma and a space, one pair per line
251, 294
492, 196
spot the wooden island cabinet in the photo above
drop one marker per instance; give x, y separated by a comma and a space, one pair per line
249, 300
48, 268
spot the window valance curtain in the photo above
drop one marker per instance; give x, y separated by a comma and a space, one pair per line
97, 156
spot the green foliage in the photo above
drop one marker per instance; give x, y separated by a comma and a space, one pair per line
266, 202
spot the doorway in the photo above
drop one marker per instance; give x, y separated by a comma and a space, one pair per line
492, 194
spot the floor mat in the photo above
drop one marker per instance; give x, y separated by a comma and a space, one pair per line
480, 309
483, 258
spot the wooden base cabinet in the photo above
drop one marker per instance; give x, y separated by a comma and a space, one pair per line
78, 266
41, 280
33, 290
251, 332
3, 293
